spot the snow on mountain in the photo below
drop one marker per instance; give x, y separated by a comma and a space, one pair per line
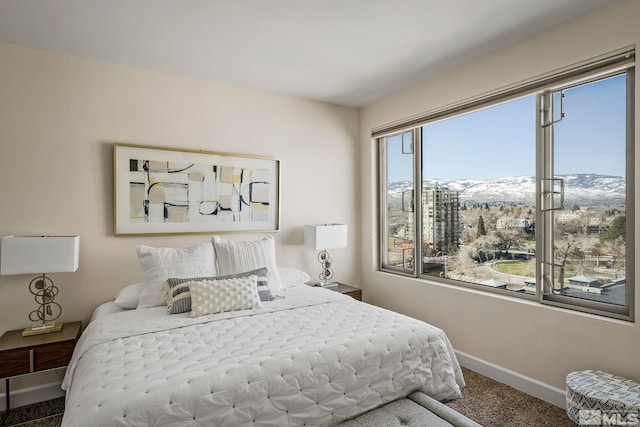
581, 189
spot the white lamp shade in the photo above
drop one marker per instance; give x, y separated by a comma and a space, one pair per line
39, 254
325, 236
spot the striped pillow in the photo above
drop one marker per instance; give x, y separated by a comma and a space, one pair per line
179, 297
238, 256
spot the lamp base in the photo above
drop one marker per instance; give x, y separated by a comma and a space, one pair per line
44, 329
328, 284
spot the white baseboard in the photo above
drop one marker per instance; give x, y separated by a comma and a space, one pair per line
532, 387
27, 396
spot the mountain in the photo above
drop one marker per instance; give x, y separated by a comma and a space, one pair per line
580, 189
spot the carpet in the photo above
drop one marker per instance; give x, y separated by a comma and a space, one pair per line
492, 403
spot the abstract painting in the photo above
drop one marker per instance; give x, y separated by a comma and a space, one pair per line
164, 190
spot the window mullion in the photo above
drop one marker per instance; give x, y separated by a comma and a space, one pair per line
417, 219
544, 192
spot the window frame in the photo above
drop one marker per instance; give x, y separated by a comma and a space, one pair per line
383, 217
544, 146
614, 63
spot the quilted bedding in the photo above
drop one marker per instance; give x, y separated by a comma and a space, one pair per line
313, 358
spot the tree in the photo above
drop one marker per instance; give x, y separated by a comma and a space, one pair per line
575, 208
486, 246
618, 249
570, 226
597, 251
617, 230
507, 238
563, 249
615, 240
465, 260
481, 230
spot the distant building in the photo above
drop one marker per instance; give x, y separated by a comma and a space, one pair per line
405, 231
402, 246
441, 218
567, 216
596, 230
522, 223
583, 281
613, 292
494, 283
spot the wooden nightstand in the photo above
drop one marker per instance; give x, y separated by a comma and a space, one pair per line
25, 355
354, 293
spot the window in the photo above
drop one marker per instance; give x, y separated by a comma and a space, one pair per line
524, 192
399, 234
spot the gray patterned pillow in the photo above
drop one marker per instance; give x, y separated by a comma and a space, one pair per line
179, 297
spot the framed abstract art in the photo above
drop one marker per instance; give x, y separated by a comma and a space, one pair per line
161, 190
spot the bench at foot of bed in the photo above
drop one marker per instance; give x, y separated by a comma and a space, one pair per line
417, 409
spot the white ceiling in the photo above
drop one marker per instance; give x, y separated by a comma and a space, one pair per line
348, 52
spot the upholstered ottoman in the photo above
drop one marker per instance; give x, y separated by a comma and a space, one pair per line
595, 392
416, 410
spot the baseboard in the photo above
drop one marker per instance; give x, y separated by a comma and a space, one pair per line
27, 396
532, 387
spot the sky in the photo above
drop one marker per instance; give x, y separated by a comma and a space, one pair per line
499, 141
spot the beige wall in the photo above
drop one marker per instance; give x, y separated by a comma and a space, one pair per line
59, 116
538, 342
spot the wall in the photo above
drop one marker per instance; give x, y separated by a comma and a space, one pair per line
59, 117
539, 343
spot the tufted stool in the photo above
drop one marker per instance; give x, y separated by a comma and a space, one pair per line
416, 410
596, 391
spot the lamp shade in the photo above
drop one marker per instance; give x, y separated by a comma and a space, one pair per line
325, 236
39, 254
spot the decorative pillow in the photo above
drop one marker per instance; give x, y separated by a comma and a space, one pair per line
217, 296
179, 297
236, 257
158, 264
290, 276
128, 296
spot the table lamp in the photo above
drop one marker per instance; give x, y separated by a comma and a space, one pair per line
41, 255
321, 237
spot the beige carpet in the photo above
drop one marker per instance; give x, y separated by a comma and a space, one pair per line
484, 400
491, 403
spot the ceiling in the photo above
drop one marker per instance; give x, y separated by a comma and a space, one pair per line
347, 52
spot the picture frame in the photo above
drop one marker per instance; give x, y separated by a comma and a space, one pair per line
159, 190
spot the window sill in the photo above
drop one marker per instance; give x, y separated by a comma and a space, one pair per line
531, 301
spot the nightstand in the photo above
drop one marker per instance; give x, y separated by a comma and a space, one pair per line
354, 293
25, 355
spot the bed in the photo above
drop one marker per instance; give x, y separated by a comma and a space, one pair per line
309, 356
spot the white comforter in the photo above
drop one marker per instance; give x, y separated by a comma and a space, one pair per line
314, 358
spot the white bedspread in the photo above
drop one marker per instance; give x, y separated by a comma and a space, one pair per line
314, 358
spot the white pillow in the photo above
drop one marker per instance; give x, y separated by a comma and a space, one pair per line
158, 264
217, 296
238, 257
290, 276
129, 296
